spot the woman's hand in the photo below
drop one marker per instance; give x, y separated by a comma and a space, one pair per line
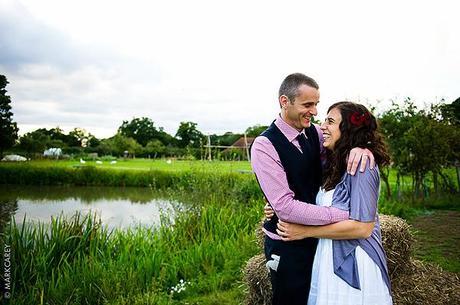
268, 211
292, 231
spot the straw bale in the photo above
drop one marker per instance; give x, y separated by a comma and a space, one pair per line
425, 284
257, 278
260, 235
398, 242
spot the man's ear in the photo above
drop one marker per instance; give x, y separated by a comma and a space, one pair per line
283, 100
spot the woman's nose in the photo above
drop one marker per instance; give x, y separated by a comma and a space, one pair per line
323, 126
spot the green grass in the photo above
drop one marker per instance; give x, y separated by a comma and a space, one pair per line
438, 238
151, 164
77, 261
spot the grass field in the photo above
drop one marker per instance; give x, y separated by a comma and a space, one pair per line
153, 164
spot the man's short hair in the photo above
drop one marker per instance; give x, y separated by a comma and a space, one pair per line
292, 82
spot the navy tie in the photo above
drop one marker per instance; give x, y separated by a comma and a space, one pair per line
303, 143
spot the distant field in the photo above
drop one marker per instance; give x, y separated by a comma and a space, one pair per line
180, 165
149, 164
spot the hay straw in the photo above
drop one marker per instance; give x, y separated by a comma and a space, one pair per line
257, 278
425, 284
397, 241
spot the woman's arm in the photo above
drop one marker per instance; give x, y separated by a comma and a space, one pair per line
347, 229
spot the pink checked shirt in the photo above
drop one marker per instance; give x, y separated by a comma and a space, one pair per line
270, 173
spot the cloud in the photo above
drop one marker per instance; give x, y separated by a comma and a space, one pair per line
56, 82
81, 64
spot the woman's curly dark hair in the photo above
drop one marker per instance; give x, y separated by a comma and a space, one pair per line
358, 128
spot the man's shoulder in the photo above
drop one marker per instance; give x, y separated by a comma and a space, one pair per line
261, 141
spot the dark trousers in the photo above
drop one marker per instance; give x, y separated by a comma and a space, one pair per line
291, 280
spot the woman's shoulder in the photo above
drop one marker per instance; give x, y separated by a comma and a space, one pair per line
368, 171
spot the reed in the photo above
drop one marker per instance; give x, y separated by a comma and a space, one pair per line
77, 261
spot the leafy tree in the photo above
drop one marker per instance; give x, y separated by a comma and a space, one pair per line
420, 142
140, 129
189, 135
118, 144
34, 142
155, 148
255, 130
79, 137
8, 128
166, 138
451, 112
226, 139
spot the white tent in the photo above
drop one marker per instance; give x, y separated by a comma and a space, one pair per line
14, 158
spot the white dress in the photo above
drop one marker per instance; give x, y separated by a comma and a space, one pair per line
329, 289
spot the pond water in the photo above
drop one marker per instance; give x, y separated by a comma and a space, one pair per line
117, 207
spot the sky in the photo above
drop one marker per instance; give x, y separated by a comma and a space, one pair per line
93, 64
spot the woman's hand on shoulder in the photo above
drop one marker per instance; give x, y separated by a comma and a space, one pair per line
356, 155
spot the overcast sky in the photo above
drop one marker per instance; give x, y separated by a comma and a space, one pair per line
93, 64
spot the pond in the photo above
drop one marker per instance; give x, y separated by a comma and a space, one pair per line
117, 207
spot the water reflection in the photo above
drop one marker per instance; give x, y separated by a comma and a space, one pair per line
117, 207
7, 209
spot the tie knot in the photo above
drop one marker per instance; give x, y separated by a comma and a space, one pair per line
303, 142
301, 136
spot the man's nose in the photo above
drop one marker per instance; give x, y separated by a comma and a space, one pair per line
314, 110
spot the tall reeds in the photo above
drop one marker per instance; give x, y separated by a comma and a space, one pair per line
78, 261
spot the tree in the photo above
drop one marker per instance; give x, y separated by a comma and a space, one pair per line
450, 112
155, 148
420, 142
255, 130
8, 128
34, 142
189, 135
140, 129
118, 144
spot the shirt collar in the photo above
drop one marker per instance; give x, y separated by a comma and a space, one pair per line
289, 132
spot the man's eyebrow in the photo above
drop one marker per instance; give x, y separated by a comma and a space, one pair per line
310, 103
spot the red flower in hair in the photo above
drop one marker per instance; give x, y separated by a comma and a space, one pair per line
358, 119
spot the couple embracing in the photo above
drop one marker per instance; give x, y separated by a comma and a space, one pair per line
322, 234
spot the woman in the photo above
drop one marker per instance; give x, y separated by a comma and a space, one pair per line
350, 264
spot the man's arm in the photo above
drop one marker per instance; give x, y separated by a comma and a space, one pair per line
273, 182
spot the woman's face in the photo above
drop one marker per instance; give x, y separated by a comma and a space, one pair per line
330, 128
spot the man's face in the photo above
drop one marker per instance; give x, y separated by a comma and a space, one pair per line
299, 113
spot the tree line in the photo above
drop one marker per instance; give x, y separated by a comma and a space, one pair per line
421, 141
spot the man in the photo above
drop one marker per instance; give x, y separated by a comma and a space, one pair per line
286, 159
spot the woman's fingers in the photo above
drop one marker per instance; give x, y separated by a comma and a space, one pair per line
268, 211
282, 226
